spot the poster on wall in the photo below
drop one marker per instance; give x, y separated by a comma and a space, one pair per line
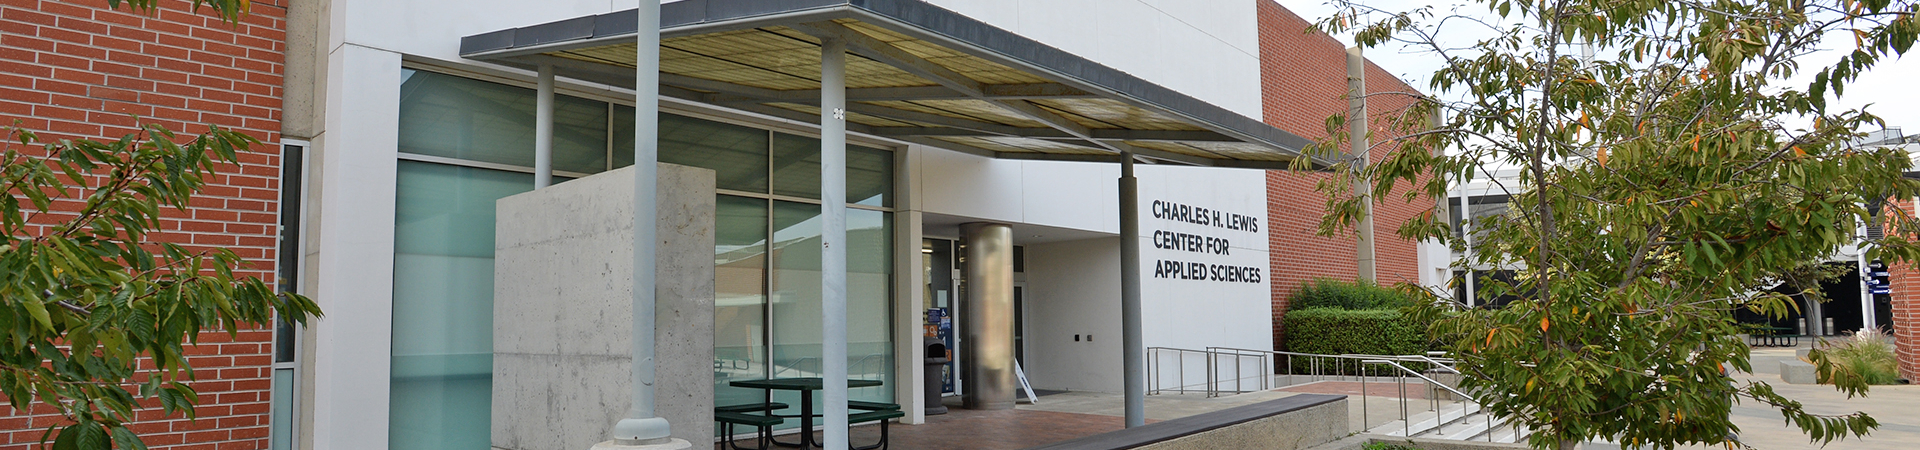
940, 326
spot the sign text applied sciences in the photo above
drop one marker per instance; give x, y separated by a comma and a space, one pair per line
1208, 244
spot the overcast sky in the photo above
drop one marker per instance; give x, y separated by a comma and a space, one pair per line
1891, 90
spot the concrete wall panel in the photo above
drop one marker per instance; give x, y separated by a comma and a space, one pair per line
563, 309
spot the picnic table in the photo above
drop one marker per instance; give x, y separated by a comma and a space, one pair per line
805, 386
1769, 336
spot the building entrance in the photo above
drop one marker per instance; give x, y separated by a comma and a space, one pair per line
942, 303
944, 289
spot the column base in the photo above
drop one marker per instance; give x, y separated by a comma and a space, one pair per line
671, 444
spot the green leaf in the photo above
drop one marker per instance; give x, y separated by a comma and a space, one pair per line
126, 440
91, 437
38, 310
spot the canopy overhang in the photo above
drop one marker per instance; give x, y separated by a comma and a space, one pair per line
921, 74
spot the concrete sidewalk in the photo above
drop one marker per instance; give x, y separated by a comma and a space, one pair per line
1897, 408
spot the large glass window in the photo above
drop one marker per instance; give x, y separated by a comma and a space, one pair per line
443, 304
796, 171
286, 361
462, 118
767, 305
795, 300
740, 286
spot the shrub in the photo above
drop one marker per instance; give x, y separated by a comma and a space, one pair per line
1329, 331
1339, 294
1868, 355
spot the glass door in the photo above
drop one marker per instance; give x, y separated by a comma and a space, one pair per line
1020, 324
942, 302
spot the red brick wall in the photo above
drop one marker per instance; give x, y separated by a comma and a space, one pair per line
73, 68
1906, 309
1303, 81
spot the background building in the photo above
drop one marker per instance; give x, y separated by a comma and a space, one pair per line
1303, 81
79, 70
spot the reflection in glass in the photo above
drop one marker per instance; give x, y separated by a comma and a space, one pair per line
443, 304
737, 154
280, 431
454, 117
795, 298
796, 171
579, 135
767, 312
739, 316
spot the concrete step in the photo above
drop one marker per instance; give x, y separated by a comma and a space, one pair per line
1424, 421
1469, 428
1508, 434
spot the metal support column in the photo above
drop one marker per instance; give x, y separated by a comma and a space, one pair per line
987, 342
641, 426
1362, 186
833, 239
543, 129
1868, 314
1466, 238
1134, 355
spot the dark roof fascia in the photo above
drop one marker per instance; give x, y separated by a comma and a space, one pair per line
680, 18
925, 21
914, 18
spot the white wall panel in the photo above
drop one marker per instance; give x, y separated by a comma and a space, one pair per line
433, 28
1073, 288
1213, 311
1066, 25
1081, 196
965, 185
354, 267
1208, 49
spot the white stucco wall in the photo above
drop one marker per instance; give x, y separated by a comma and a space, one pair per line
1073, 288
348, 363
1208, 49
1216, 308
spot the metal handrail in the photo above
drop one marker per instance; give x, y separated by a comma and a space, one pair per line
794, 364
863, 360
1423, 377
1315, 368
1335, 367
1438, 415
1154, 384
1443, 363
797, 363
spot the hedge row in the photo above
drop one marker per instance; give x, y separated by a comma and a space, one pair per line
1328, 331
1331, 293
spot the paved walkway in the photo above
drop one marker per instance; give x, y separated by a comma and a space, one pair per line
1072, 415
1897, 408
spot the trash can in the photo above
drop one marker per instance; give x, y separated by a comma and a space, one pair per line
937, 359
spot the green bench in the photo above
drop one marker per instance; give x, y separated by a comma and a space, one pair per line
1767, 336
883, 416
872, 406
763, 427
752, 407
